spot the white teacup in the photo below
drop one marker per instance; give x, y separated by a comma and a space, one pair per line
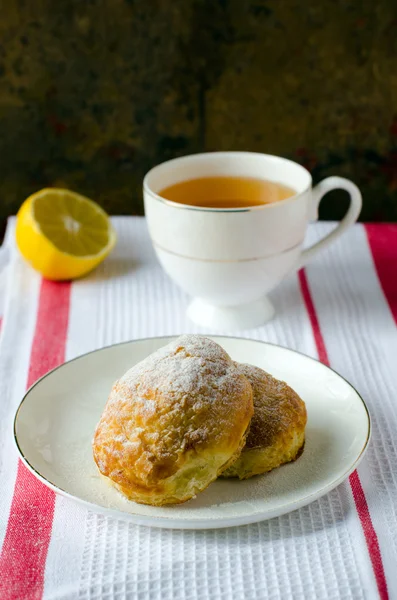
229, 259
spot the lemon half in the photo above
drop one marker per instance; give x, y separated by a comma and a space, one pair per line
63, 235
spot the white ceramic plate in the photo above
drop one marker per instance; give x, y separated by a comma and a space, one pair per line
55, 421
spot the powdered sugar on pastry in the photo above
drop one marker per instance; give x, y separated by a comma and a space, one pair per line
277, 429
173, 422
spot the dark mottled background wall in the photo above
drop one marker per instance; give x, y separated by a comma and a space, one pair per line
95, 92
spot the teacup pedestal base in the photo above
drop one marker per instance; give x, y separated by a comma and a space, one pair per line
245, 316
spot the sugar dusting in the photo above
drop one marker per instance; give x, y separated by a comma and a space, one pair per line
189, 365
223, 498
277, 408
184, 403
321, 463
188, 375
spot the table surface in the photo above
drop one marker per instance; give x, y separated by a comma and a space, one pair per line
341, 309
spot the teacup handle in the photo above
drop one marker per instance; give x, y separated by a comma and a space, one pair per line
322, 188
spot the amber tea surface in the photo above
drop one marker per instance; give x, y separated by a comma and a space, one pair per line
226, 192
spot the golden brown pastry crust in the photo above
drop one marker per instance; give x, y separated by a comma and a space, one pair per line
174, 422
277, 430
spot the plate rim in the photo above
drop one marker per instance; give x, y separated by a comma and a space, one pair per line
191, 523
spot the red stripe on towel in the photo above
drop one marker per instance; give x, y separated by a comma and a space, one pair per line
355, 483
382, 240
24, 552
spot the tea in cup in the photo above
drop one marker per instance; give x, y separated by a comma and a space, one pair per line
227, 227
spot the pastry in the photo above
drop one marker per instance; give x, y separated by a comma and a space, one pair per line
277, 430
174, 422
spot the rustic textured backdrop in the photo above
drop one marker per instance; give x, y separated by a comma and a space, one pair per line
93, 93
